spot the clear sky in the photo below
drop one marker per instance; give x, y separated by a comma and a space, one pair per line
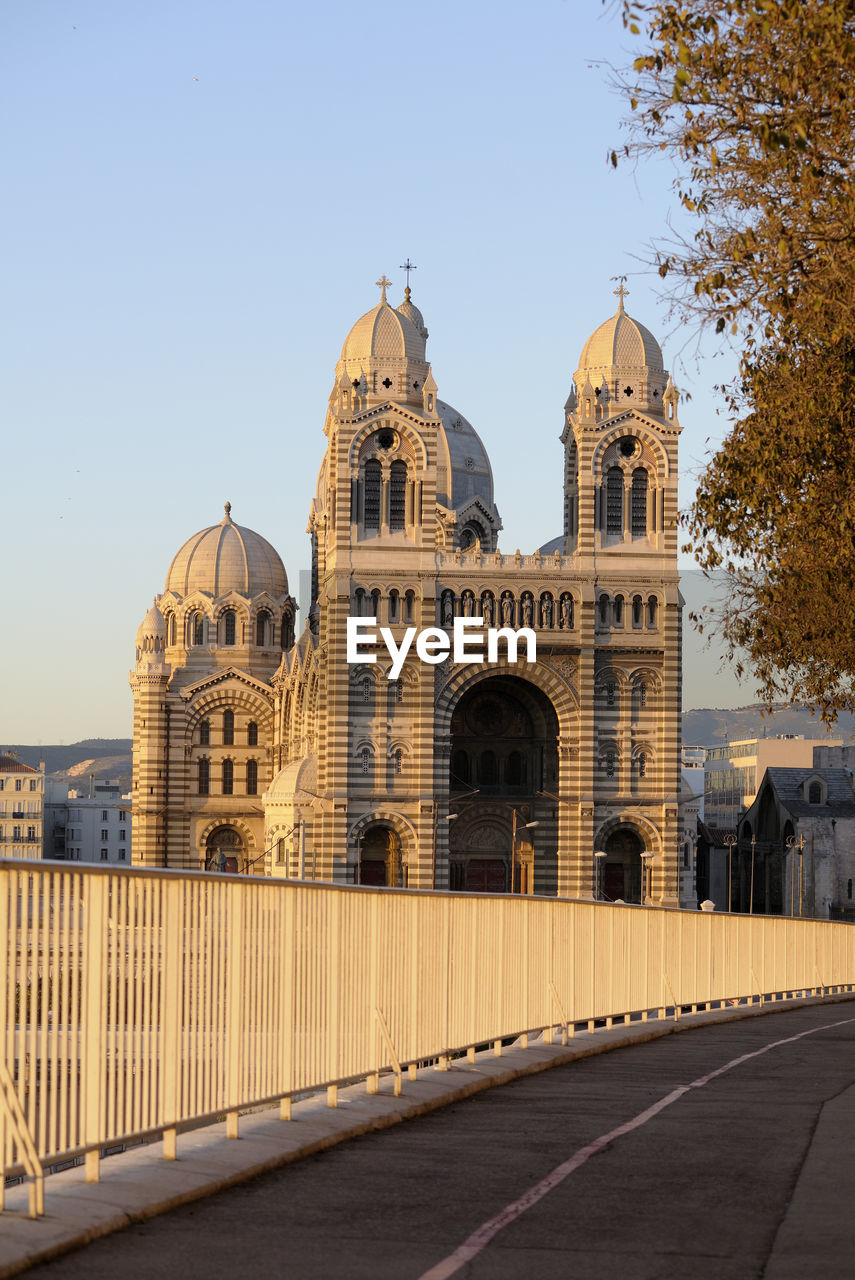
200, 195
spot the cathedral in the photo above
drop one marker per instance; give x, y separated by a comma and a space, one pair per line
259, 747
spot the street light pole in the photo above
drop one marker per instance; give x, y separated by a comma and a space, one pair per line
751, 891
730, 841
599, 855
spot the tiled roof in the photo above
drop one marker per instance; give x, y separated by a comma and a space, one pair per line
11, 764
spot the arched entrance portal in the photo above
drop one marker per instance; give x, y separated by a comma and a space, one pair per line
622, 866
504, 753
224, 850
380, 861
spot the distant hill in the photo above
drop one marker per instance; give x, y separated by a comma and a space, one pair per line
708, 727
103, 757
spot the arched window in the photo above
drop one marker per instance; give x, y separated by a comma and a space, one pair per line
252, 734
637, 611
262, 629
252, 777
196, 629
642, 766
611, 689
617, 611
229, 624
609, 764
228, 777
652, 609
396, 691
204, 776
228, 728
365, 759
397, 495
409, 601
373, 489
366, 689
815, 793
399, 761
359, 598
604, 611
393, 606
639, 503
487, 768
459, 770
170, 629
286, 637
205, 733
515, 769
614, 500
642, 693
375, 603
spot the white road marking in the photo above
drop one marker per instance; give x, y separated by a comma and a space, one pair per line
479, 1239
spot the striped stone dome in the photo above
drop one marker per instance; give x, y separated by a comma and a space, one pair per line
227, 557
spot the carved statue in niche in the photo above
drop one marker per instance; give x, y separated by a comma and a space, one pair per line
507, 609
527, 610
567, 611
447, 608
487, 608
546, 610
468, 604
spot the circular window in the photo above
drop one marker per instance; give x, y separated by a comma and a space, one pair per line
386, 439
628, 447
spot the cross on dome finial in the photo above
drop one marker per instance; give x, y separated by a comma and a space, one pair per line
383, 285
621, 291
408, 267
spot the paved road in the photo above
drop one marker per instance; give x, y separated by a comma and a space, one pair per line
747, 1174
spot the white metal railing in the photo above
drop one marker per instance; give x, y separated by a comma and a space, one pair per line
134, 1003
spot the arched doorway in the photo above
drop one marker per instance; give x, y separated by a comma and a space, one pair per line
622, 866
504, 755
224, 850
380, 860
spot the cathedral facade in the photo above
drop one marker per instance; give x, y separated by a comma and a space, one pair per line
259, 747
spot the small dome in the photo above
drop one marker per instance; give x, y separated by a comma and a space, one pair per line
621, 343
383, 333
152, 628
227, 557
409, 309
151, 641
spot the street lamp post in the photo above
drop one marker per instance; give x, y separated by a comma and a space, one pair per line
730, 841
599, 856
646, 860
796, 846
751, 890
525, 826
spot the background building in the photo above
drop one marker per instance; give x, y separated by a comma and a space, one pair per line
98, 824
734, 771
22, 790
482, 776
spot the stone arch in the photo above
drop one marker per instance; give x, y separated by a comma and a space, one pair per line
405, 430
642, 433
623, 838
382, 843
242, 842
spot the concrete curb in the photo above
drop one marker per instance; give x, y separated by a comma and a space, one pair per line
140, 1184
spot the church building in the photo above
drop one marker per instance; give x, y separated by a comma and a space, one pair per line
259, 747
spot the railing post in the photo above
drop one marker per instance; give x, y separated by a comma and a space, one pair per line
93, 1072
234, 1002
171, 959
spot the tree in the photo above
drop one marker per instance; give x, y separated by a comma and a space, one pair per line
755, 101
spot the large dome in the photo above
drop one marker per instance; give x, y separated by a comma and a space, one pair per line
468, 466
621, 343
227, 557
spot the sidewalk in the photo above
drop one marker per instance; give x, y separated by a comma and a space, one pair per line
139, 1184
